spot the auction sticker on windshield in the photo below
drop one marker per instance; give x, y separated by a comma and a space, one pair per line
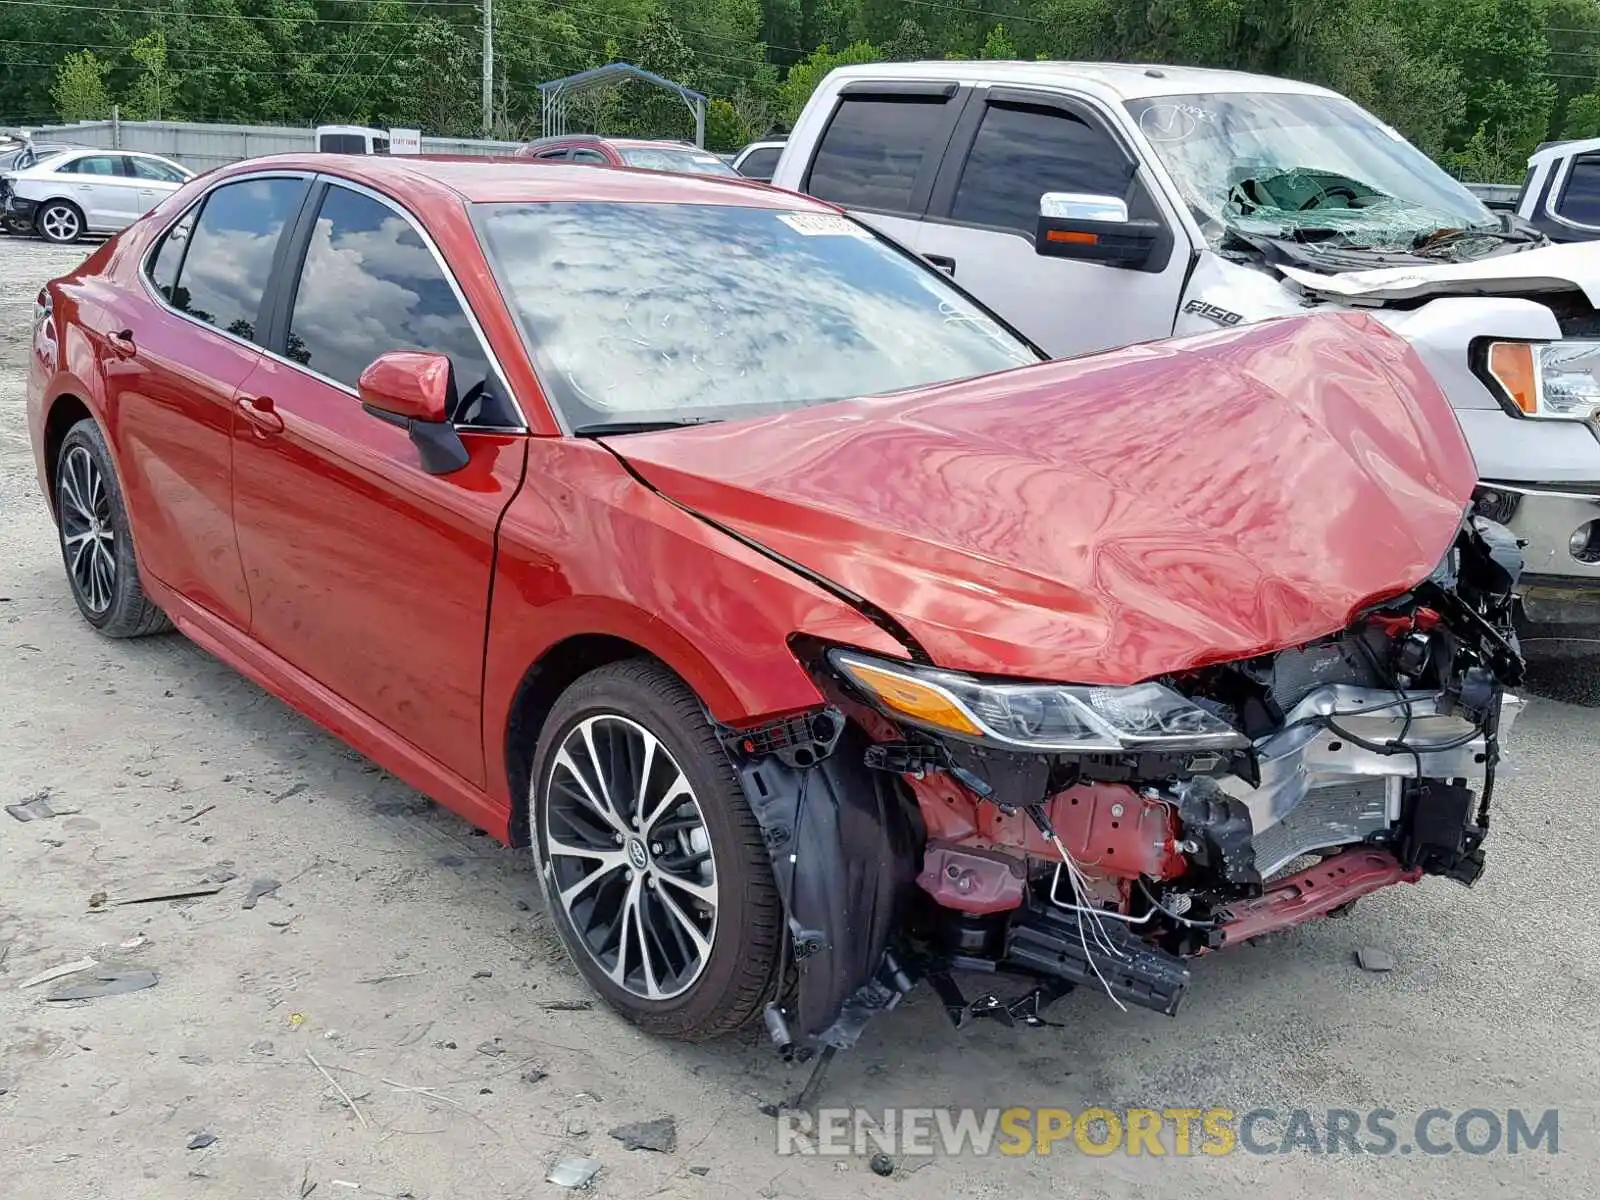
822, 225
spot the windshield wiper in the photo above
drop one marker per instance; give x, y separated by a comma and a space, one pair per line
607, 428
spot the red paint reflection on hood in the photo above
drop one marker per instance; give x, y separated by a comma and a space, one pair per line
1112, 518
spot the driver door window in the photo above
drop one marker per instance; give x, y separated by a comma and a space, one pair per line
1022, 152
1010, 147
370, 284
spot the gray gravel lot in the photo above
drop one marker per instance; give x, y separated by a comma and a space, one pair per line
400, 949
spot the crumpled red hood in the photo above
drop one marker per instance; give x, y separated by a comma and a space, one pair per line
1111, 518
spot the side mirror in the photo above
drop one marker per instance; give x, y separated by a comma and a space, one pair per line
416, 391
1093, 229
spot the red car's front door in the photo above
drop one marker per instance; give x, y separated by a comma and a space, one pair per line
364, 571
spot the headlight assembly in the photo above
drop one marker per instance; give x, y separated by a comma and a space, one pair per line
1551, 380
1038, 716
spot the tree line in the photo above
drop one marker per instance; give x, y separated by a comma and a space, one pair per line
1476, 83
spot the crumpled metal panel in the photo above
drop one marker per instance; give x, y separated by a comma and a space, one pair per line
1107, 519
1320, 789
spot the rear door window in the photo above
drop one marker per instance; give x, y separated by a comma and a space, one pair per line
1023, 151
881, 152
95, 164
1580, 198
224, 275
370, 285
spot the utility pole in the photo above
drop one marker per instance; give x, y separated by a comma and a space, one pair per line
488, 67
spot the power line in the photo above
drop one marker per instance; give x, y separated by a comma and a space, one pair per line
181, 51
167, 12
205, 70
719, 37
999, 18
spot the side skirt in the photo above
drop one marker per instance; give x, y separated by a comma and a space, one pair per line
340, 718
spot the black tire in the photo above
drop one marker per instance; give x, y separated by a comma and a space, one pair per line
740, 973
107, 587
61, 222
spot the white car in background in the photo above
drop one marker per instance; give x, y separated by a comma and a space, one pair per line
759, 160
72, 193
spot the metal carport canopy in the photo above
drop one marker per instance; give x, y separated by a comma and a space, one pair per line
554, 94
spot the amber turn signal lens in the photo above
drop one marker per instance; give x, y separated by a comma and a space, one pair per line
914, 699
1073, 236
1511, 365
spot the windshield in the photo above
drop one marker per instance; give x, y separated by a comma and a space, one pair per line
687, 161
1302, 166
689, 312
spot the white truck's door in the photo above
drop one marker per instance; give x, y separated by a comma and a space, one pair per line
1011, 146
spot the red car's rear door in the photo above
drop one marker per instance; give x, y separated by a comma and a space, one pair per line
171, 369
364, 571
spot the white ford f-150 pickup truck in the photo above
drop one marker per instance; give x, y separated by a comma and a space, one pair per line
1092, 205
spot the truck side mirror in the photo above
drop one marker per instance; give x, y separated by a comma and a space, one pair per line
1093, 229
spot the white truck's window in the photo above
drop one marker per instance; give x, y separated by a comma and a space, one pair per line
1021, 152
874, 150
1580, 199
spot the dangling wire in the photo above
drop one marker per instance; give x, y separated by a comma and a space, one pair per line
1081, 888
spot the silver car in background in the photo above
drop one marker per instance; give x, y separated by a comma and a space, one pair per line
68, 194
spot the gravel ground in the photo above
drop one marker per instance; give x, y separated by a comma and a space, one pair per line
400, 949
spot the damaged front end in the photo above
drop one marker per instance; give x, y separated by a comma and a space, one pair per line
929, 822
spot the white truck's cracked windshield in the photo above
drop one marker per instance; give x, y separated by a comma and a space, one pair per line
1297, 166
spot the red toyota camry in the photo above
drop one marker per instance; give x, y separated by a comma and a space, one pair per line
815, 635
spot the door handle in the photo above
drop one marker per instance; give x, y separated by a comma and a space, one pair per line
943, 262
262, 413
122, 343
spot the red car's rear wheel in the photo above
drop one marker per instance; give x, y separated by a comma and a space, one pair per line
96, 541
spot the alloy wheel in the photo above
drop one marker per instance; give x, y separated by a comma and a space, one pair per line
86, 530
631, 856
60, 223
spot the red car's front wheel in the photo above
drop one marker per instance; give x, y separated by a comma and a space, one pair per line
653, 863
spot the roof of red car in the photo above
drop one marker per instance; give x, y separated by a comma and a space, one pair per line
509, 179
